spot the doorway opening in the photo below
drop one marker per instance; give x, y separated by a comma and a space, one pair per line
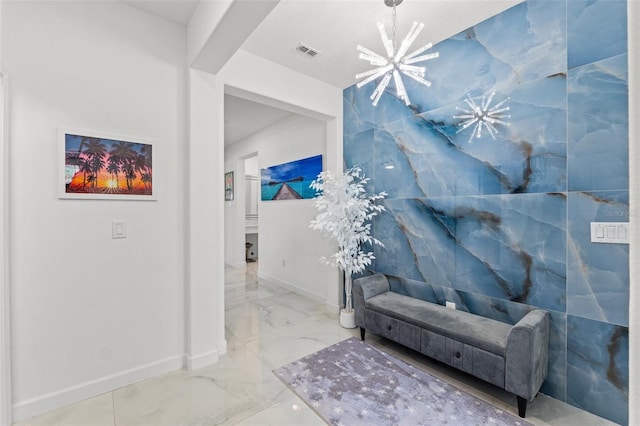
252, 194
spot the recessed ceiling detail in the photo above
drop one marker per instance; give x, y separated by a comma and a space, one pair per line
306, 51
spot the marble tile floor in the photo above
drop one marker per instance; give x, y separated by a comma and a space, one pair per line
267, 326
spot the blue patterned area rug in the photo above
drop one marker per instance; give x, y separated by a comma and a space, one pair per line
352, 383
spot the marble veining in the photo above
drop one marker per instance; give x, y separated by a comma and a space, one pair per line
598, 367
526, 42
501, 225
598, 129
556, 383
597, 274
425, 156
596, 30
507, 247
529, 154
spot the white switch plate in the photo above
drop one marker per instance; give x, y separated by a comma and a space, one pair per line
610, 232
118, 229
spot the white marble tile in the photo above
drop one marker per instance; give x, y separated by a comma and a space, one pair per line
245, 377
234, 275
276, 288
239, 296
97, 411
248, 320
292, 412
175, 399
296, 304
286, 344
268, 326
548, 411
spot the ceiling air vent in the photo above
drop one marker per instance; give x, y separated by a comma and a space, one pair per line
306, 51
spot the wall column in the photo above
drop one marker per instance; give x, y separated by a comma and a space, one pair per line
6, 399
204, 179
334, 163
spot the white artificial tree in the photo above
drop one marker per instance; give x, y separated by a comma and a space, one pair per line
344, 215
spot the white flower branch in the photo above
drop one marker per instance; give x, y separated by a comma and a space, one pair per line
344, 214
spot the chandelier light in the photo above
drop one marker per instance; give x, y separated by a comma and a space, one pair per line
396, 62
483, 115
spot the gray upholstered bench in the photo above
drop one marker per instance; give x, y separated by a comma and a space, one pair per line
513, 357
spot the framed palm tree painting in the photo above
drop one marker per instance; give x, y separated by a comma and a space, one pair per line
99, 166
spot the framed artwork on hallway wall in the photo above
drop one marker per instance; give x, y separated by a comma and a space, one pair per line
99, 166
228, 186
290, 181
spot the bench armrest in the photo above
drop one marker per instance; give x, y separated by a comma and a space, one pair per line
363, 289
527, 354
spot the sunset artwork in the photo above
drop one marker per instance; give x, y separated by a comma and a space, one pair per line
107, 167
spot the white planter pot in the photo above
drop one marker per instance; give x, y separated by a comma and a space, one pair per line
348, 319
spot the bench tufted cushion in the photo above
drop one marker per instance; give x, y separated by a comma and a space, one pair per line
481, 332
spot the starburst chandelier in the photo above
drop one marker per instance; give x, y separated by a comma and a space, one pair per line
396, 61
483, 115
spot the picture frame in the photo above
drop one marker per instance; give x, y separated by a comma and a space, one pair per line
94, 165
228, 186
290, 181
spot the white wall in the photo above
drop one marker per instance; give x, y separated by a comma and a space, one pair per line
5, 295
281, 87
204, 228
252, 166
289, 250
90, 313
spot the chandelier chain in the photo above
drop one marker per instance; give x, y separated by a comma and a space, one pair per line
396, 62
395, 25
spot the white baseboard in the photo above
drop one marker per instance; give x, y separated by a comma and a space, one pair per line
32, 407
5, 349
332, 309
222, 347
294, 288
202, 360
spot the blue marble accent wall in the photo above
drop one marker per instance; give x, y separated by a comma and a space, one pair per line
501, 226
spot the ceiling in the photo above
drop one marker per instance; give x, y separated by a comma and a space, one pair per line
177, 11
333, 28
336, 27
243, 118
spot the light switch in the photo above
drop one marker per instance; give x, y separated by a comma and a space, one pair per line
622, 232
118, 229
610, 232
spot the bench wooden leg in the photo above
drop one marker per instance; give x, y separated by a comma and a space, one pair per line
362, 333
522, 406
